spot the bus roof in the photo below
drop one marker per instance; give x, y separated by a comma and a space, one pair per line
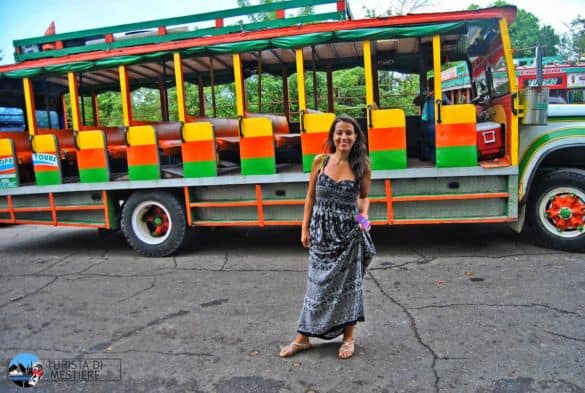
159, 47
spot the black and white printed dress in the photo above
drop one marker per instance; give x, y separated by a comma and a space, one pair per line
338, 254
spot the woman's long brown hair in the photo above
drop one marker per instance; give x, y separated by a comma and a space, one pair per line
359, 161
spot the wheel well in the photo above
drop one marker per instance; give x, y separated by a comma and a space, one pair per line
563, 157
121, 196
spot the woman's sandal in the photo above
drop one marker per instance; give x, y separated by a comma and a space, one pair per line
347, 349
294, 348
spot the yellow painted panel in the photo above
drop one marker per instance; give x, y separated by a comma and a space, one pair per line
44, 143
457, 114
318, 122
239, 84
180, 87
368, 73
91, 140
301, 79
202, 131
73, 100
141, 135
256, 126
388, 118
6, 147
30, 106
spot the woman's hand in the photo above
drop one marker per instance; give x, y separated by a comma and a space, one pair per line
305, 237
363, 221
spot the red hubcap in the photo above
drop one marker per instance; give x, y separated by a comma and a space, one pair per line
157, 221
566, 212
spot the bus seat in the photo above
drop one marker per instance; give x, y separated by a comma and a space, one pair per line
92, 156
22, 145
257, 154
387, 139
8, 164
198, 150
67, 149
169, 137
46, 160
456, 139
142, 153
279, 122
116, 142
314, 131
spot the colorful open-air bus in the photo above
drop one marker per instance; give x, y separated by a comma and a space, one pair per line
195, 168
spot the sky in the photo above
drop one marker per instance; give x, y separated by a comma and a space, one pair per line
29, 18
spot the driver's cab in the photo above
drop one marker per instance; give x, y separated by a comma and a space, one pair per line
478, 131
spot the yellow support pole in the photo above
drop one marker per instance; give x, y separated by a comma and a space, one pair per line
301, 80
30, 106
437, 72
74, 101
368, 71
239, 82
180, 86
125, 95
507, 47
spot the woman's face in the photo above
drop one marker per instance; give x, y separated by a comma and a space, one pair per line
344, 136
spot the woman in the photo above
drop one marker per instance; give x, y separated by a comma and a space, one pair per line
335, 225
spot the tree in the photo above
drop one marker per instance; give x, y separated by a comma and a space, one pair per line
267, 16
526, 33
573, 42
397, 7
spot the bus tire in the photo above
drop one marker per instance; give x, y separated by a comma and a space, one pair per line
556, 209
154, 223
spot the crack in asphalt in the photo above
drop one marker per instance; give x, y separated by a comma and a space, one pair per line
414, 329
530, 305
157, 321
22, 349
18, 298
225, 260
59, 261
183, 353
564, 336
152, 285
90, 266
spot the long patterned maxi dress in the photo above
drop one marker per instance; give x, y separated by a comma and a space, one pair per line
339, 251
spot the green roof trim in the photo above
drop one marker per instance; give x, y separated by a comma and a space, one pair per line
290, 42
208, 16
158, 39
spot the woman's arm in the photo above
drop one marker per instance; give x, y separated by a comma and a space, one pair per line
310, 200
363, 202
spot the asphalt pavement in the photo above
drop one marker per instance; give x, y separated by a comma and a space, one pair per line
458, 308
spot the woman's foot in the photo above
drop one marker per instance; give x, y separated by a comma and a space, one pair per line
347, 349
294, 348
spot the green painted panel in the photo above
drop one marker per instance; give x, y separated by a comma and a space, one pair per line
308, 162
48, 178
94, 175
200, 169
455, 156
143, 172
258, 166
388, 159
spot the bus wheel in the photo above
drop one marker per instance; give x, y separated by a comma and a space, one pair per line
557, 209
154, 223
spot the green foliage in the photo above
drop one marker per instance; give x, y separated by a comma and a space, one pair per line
526, 33
110, 109
146, 104
573, 42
